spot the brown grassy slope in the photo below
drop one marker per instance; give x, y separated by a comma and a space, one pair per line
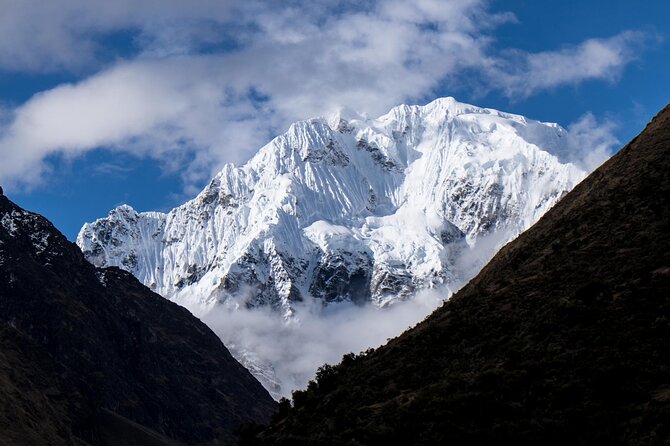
563, 338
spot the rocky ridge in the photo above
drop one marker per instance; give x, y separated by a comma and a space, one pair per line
91, 356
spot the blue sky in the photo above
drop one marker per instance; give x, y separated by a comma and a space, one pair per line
104, 103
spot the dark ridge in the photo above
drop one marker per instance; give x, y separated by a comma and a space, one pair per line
562, 339
91, 356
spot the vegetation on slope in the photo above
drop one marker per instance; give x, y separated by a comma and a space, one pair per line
561, 339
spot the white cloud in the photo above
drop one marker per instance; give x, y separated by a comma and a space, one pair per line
294, 349
524, 74
146, 108
318, 335
68, 34
592, 141
190, 94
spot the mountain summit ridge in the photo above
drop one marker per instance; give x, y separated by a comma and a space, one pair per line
385, 204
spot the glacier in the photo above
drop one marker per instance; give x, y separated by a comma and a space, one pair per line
346, 210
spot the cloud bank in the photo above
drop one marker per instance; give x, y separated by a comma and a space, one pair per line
285, 355
208, 82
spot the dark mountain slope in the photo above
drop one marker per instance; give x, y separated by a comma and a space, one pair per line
562, 339
92, 356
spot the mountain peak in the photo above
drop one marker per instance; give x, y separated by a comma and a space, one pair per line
476, 175
123, 209
339, 120
449, 103
39, 236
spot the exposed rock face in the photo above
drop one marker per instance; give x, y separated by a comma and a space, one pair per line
561, 339
384, 205
91, 356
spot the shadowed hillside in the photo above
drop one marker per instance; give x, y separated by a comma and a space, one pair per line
91, 356
561, 339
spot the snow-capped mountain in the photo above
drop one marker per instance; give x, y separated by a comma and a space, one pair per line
346, 208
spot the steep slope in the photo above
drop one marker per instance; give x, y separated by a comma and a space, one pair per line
350, 209
561, 339
90, 356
